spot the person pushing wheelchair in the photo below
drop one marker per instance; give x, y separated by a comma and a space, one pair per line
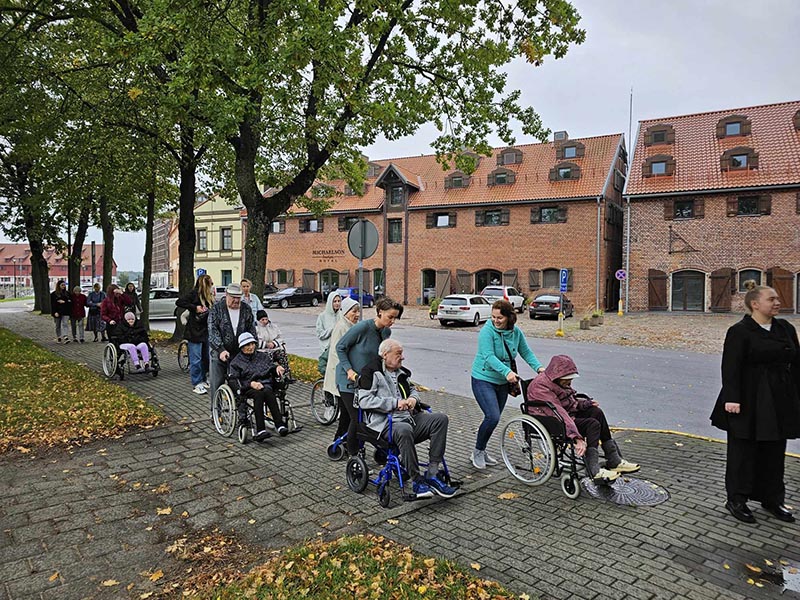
385, 388
585, 421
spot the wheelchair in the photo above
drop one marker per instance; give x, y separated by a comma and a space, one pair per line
183, 356
386, 455
534, 449
116, 362
231, 411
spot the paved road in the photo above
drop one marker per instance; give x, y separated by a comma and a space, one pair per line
638, 387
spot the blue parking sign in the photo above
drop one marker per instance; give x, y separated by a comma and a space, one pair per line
201, 272
564, 278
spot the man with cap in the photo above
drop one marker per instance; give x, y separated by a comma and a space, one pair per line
252, 374
585, 421
227, 320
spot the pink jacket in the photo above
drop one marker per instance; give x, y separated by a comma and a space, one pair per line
566, 400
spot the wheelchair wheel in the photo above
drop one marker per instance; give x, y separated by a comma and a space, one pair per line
224, 410
336, 452
570, 486
183, 356
528, 450
241, 433
384, 495
357, 474
324, 405
110, 358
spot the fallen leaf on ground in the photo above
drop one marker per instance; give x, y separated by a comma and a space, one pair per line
157, 575
53, 577
508, 496
752, 568
392, 521
475, 566
164, 511
429, 562
145, 595
110, 583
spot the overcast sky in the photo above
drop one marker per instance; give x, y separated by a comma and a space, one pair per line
680, 57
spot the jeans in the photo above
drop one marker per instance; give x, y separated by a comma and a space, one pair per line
491, 398
61, 326
198, 362
77, 328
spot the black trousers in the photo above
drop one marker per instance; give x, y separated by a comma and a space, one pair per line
754, 471
264, 396
348, 421
593, 425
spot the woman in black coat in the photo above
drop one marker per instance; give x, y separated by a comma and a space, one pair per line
759, 405
61, 308
197, 303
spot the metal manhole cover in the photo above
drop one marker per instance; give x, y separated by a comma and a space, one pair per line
626, 491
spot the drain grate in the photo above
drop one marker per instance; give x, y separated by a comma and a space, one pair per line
627, 491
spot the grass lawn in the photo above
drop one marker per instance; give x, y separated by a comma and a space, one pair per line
363, 567
12, 299
46, 400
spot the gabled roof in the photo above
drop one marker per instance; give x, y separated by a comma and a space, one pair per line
532, 178
697, 151
23, 251
405, 176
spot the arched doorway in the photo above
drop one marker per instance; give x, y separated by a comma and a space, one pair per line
689, 291
328, 281
487, 277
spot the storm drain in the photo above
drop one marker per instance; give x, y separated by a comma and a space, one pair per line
627, 491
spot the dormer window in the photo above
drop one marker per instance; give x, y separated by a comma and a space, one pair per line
396, 195
373, 170
570, 152
501, 177
796, 120
658, 165
569, 149
661, 133
456, 180
565, 172
741, 158
733, 126
509, 156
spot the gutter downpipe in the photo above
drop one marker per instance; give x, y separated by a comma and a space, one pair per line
628, 255
597, 259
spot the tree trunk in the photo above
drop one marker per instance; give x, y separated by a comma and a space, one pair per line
76, 252
147, 268
186, 233
108, 243
40, 272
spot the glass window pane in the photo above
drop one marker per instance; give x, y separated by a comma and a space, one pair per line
313, 225
564, 173
659, 137
733, 128
509, 158
549, 215
739, 161
491, 217
684, 209
457, 182
442, 220
747, 275
550, 278
570, 152
659, 168
500, 178
748, 205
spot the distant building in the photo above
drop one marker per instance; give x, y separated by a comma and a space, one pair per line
160, 261
523, 214
714, 202
15, 262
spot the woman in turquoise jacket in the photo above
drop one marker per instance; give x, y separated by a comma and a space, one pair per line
498, 343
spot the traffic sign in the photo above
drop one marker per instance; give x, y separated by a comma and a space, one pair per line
362, 239
564, 278
621, 274
201, 272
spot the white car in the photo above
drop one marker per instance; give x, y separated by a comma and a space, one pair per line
162, 303
467, 308
503, 292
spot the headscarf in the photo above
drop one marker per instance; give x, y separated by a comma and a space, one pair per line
326, 320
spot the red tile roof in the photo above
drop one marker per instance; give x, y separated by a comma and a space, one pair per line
697, 151
9, 251
532, 178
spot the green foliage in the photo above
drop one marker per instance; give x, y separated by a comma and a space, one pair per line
304, 369
46, 400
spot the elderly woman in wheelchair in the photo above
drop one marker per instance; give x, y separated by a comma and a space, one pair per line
562, 426
392, 418
129, 349
252, 376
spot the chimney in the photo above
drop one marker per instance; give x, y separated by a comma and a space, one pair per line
560, 136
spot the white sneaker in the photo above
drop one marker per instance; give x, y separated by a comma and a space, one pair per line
200, 389
490, 462
605, 476
478, 459
625, 467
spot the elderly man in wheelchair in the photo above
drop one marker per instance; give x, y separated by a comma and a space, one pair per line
392, 416
253, 375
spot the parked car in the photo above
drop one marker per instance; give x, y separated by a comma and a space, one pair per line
352, 292
503, 292
467, 308
549, 305
162, 303
293, 296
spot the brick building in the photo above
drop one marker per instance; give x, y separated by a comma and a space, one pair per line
15, 264
713, 202
160, 258
525, 212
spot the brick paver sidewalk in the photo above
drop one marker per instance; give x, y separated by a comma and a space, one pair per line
90, 514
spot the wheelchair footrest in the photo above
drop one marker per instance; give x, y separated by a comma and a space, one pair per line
296, 429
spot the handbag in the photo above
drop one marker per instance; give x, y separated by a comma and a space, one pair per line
514, 388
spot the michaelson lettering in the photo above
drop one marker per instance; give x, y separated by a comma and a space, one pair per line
327, 252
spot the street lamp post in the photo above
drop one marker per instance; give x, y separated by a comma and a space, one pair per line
14, 262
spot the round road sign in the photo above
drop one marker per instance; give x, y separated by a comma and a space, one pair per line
362, 239
621, 275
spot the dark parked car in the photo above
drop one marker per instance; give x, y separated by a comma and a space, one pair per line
293, 296
368, 299
549, 305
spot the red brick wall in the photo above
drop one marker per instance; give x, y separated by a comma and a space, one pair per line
759, 242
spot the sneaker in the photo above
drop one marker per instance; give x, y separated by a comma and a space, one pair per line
58, 340
200, 389
625, 467
75, 340
261, 436
440, 488
206, 383
66, 340
421, 489
283, 431
83, 341
490, 462
605, 476
478, 460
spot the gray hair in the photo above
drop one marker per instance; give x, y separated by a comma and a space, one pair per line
387, 345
